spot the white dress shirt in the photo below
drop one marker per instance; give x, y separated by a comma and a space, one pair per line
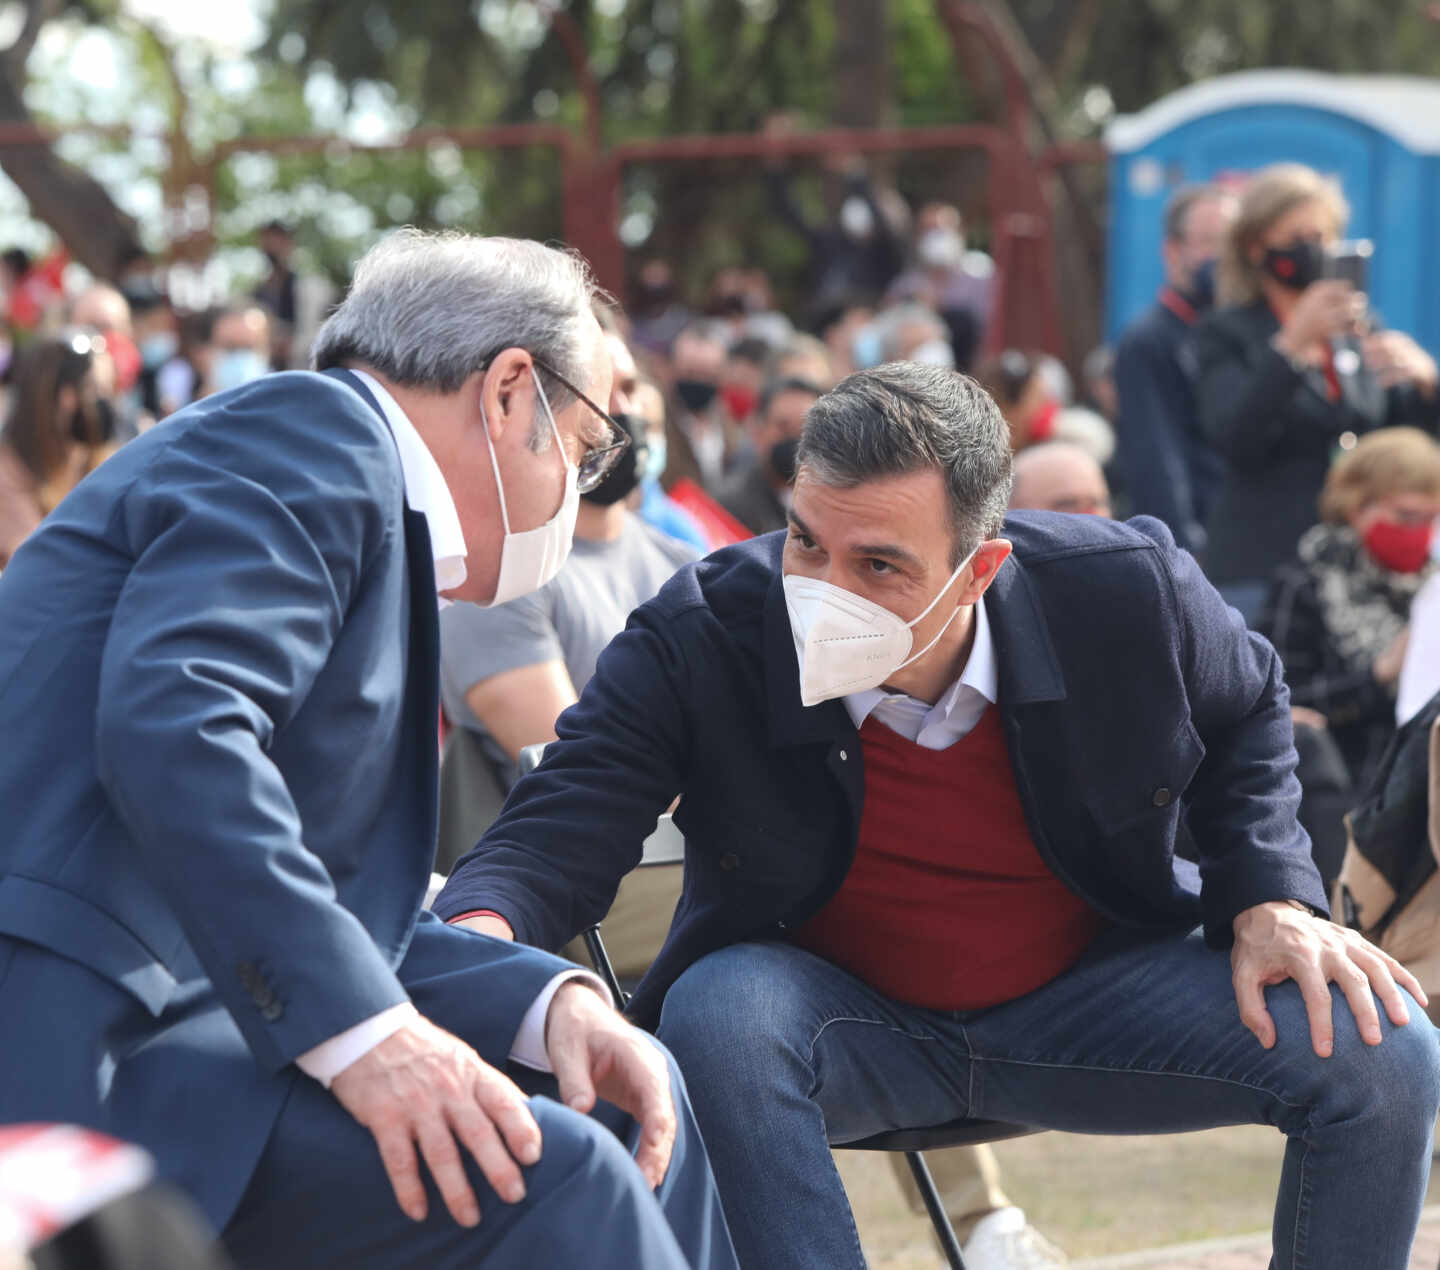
938, 727
426, 492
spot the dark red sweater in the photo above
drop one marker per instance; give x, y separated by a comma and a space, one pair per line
948, 904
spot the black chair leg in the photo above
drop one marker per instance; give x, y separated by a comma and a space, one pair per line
939, 1218
595, 948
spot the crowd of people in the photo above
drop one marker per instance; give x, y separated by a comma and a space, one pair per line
1282, 441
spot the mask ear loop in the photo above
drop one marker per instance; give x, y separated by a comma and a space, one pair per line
495, 463
549, 414
940, 633
495, 466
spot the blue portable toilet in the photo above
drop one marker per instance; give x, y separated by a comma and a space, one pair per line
1378, 135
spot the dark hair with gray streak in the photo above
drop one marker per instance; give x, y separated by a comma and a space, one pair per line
430, 310
904, 417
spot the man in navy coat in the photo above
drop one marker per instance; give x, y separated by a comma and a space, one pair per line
218, 698
931, 782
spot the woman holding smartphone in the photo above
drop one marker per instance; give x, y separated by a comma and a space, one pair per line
1289, 374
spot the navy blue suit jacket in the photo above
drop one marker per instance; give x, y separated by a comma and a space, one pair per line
1130, 694
218, 699
1170, 469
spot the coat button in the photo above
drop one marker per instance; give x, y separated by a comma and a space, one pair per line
271, 1013
1161, 797
843, 756
729, 862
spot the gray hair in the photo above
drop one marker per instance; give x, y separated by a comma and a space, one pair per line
904, 417
430, 310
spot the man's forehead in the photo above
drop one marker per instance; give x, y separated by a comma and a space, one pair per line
909, 510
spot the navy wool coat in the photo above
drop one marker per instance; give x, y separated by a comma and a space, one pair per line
1131, 698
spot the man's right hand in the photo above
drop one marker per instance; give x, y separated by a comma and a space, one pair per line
423, 1085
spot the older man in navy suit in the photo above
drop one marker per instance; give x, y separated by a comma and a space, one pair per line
933, 767
218, 693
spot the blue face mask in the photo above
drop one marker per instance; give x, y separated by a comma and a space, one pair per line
158, 348
866, 349
654, 461
236, 366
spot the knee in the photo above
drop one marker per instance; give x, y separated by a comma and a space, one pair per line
575, 1146
1396, 1083
731, 1008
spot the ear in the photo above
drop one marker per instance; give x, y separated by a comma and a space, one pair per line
66, 401
992, 554
507, 390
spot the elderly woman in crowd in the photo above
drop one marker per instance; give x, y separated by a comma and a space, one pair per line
1287, 371
60, 426
1337, 615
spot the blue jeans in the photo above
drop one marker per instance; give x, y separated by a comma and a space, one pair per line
785, 1053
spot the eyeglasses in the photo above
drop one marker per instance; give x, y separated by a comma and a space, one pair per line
598, 461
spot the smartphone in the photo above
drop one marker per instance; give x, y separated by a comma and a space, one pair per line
1350, 262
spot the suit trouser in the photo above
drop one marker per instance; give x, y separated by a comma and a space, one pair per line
968, 1178
320, 1196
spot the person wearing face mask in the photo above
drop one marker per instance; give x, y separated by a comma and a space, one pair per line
758, 494
1168, 466
1339, 614
856, 251
212, 941
508, 671
1287, 372
703, 439
954, 280
157, 336
933, 764
59, 427
239, 349
655, 506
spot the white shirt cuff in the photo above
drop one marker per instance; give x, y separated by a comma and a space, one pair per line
328, 1059
528, 1047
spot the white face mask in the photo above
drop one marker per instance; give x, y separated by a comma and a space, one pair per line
530, 558
847, 643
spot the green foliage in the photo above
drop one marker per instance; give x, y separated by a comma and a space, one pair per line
376, 68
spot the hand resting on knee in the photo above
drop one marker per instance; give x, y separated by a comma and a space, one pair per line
423, 1086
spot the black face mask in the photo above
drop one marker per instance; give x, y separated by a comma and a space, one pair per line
1202, 286
93, 425
625, 475
1297, 265
782, 459
696, 394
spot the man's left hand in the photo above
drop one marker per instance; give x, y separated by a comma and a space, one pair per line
593, 1051
1278, 940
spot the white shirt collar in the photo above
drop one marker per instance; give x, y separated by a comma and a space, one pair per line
425, 491
957, 711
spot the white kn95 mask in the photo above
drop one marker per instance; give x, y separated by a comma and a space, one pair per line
846, 643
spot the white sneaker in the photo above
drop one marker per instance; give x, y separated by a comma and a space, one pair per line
1004, 1240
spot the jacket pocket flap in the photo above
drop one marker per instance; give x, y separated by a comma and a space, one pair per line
1142, 784
53, 918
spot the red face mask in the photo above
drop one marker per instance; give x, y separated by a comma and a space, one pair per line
1400, 548
738, 401
1042, 422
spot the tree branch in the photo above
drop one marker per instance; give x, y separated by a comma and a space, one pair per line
37, 14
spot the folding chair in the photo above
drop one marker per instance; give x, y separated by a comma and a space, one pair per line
667, 846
